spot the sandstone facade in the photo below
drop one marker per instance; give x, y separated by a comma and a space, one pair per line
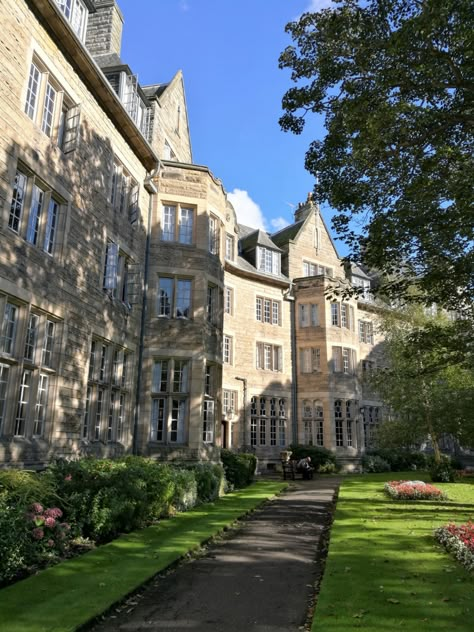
136, 314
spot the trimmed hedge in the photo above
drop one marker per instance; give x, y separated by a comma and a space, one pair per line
239, 467
95, 499
403, 461
400, 460
323, 460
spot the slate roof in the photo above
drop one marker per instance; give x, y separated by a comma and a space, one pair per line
243, 264
256, 238
284, 235
357, 271
109, 60
155, 90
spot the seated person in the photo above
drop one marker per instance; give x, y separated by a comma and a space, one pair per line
304, 466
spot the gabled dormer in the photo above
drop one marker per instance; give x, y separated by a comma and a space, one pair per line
360, 280
258, 249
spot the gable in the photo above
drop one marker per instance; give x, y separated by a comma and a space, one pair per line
312, 244
171, 135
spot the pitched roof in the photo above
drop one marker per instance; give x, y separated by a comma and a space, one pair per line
246, 266
357, 271
108, 60
285, 234
256, 238
155, 90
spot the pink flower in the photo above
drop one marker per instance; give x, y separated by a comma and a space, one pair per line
65, 526
50, 543
68, 477
38, 533
50, 522
37, 508
54, 512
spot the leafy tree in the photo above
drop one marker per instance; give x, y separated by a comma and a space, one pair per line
393, 80
428, 386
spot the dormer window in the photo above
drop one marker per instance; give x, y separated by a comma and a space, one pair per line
358, 282
268, 260
76, 13
127, 89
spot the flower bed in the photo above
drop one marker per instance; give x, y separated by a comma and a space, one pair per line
413, 490
458, 540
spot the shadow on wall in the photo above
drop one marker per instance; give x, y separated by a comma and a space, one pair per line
70, 282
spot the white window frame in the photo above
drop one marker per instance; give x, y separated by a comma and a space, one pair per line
49, 107
228, 349
214, 235
35, 211
229, 300
178, 292
269, 357
229, 247
170, 392
268, 260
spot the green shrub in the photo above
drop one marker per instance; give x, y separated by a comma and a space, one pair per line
25, 487
211, 481
239, 467
442, 472
105, 498
14, 538
323, 460
185, 489
401, 460
328, 468
374, 463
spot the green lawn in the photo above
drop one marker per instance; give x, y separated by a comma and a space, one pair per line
63, 597
384, 570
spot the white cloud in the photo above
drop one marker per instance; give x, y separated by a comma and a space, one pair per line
248, 211
317, 5
278, 223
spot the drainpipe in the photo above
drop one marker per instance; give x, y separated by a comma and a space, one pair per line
294, 373
246, 431
152, 190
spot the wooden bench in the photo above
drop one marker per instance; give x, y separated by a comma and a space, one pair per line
290, 471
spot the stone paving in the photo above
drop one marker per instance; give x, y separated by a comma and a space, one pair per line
259, 579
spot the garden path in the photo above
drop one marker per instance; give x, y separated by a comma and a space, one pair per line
259, 579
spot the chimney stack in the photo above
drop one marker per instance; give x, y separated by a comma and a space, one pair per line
104, 29
305, 208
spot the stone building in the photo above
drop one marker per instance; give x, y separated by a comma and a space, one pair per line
136, 314
302, 357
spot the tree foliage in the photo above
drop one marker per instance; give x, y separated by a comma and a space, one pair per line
393, 80
429, 385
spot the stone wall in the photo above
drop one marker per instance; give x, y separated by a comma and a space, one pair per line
65, 287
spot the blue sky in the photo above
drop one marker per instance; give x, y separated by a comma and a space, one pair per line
228, 51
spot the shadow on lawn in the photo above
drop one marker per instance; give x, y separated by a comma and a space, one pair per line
385, 551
